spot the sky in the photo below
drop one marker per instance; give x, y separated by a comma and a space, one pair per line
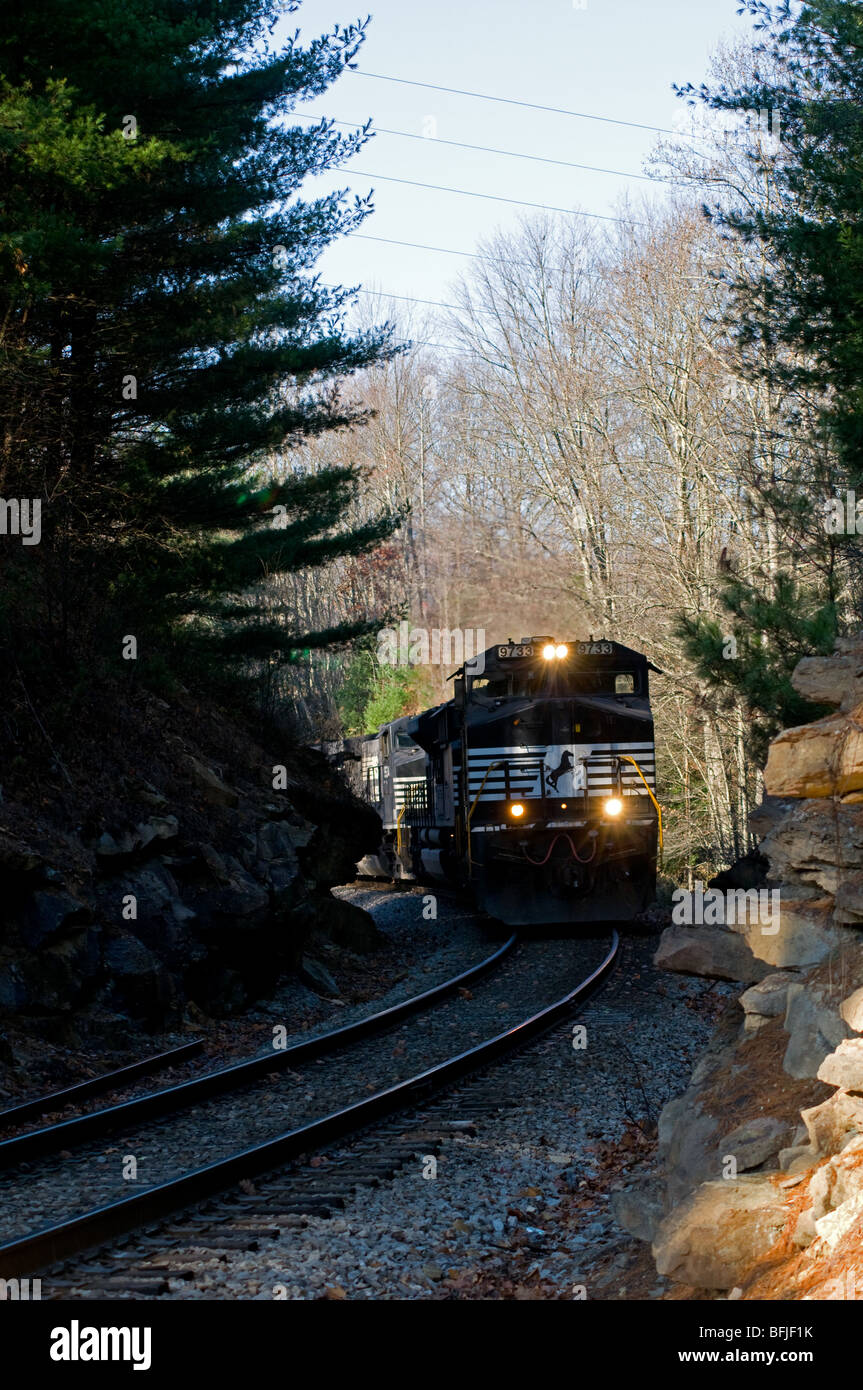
616, 59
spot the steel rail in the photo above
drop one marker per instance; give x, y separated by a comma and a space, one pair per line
64, 1239
35, 1143
96, 1085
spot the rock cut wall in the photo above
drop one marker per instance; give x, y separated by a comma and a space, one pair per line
760, 1191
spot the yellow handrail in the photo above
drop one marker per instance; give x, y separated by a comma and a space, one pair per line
500, 763
399, 818
624, 758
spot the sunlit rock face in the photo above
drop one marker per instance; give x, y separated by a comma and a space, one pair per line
821, 759
712, 1238
761, 1189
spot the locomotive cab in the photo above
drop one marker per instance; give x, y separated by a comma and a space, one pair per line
534, 785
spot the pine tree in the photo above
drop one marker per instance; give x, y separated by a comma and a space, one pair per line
797, 318
164, 338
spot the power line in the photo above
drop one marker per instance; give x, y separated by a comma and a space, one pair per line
490, 260
408, 298
489, 197
420, 246
512, 101
426, 343
485, 149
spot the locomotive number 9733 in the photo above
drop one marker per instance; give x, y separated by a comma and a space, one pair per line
535, 784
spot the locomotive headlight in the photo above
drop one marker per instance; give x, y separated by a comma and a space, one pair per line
613, 806
561, 651
516, 810
549, 651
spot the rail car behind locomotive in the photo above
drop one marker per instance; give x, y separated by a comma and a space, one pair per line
535, 784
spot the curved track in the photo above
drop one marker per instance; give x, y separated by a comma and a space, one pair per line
98, 1085
62, 1239
50, 1138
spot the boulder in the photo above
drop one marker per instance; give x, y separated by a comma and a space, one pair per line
274, 860
163, 829
214, 862
318, 977
832, 680
62, 974
141, 985
823, 759
340, 921
152, 835
153, 887
796, 1158
712, 1238
712, 951
814, 1027
835, 1196
768, 999
817, 843
848, 908
286, 883
836, 1225
213, 789
280, 839
832, 1124
801, 933
22, 869
49, 915
851, 1010
639, 1209
14, 993
755, 1141
242, 902
844, 1067
687, 1145
109, 851
162, 919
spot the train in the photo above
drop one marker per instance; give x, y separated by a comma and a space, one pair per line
534, 786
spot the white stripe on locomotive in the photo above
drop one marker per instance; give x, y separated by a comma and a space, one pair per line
523, 779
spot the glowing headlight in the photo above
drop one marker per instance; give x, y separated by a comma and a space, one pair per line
613, 806
561, 651
548, 651
516, 810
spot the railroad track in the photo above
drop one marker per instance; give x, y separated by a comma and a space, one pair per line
99, 1085
95, 1125
223, 1205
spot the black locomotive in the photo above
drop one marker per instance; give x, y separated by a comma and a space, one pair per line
535, 784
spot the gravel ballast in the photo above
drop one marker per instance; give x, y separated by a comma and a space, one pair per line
517, 1203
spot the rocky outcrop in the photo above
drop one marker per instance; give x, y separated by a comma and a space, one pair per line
817, 760
760, 1187
200, 889
718, 1231
709, 950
